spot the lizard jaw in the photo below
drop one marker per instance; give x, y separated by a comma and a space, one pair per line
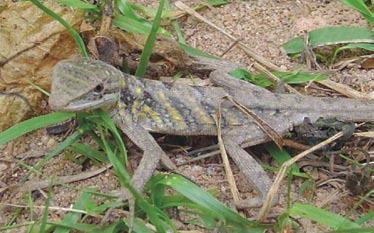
84, 105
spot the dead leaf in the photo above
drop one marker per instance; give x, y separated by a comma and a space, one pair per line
167, 57
368, 63
13, 108
31, 44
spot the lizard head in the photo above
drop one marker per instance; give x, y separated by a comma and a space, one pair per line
84, 84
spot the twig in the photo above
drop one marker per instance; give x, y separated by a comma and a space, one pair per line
216, 152
369, 134
344, 89
232, 45
282, 172
35, 185
225, 159
49, 208
295, 145
268, 130
204, 156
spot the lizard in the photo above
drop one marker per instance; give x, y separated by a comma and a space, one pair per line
140, 107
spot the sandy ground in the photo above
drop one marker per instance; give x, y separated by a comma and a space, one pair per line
263, 26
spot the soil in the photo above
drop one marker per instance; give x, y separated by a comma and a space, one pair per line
262, 25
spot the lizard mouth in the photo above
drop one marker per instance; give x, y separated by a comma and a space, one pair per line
86, 105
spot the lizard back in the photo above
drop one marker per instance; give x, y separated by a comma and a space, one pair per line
177, 108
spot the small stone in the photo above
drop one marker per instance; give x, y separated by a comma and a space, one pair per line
51, 142
44, 139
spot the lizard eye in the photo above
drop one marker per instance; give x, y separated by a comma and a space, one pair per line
99, 88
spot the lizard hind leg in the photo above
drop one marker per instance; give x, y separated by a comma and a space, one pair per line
252, 170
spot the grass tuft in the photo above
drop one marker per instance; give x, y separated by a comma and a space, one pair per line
147, 51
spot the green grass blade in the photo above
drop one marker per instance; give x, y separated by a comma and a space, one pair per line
131, 22
207, 203
71, 139
194, 52
72, 218
103, 119
125, 8
43, 224
89, 152
147, 51
365, 46
244, 74
321, 216
37, 87
282, 156
333, 35
217, 2
294, 77
361, 7
78, 4
33, 124
355, 230
366, 218
156, 216
298, 77
78, 40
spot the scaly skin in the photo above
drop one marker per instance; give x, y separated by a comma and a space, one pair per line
140, 106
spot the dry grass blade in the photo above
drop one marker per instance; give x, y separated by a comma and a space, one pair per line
225, 159
345, 90
369, 134
57, 208
268, 130
35, 185
282, 173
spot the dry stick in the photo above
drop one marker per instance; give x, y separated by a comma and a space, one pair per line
35, 185
268, 130
244, 47
368, 134
49, 208
282, 172
232, 45
344, 89
287, 142
230, 176
204, 156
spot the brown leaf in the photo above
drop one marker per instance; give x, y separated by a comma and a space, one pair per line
368, 63
167, 57
31, 44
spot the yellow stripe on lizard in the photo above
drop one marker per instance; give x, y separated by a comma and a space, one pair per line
154, 115
174, 114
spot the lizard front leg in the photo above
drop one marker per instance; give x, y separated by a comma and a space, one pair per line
152, 152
